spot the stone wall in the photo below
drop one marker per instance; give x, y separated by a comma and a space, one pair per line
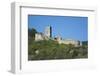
38, 37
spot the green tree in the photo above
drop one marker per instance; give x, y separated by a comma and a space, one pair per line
31, 32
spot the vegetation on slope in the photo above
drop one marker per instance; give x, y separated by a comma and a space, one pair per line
50, 49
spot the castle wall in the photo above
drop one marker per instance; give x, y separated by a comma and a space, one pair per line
73, 42
47, 35
38, 37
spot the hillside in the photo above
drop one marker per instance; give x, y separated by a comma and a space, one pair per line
46, 50
50, 49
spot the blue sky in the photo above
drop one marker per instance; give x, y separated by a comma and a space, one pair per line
68, 27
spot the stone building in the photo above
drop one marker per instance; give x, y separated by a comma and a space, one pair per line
48, 31
67, 41
44, 36
48, 35
39, 36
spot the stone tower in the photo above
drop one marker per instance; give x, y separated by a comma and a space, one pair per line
48, 31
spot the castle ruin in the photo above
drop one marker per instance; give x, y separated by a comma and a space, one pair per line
48, 35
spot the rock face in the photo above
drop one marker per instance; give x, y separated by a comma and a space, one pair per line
48, 35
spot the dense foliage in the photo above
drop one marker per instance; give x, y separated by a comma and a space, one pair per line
31, 33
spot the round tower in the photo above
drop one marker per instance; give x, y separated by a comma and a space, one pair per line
48, 31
